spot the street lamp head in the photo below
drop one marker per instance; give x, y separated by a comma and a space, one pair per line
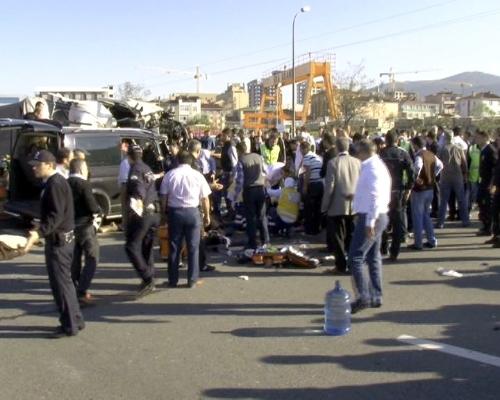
305, 9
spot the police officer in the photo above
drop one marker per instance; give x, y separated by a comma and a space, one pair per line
85, 233
56, 226
142, 219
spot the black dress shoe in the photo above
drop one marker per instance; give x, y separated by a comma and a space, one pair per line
483, 233
413, 247
194, 284
81, 327
336, 272
60, 333
358, 306
207, 268
376, 303
146, 288
428, 245
492, 240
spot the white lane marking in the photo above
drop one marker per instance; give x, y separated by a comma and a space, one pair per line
453, 350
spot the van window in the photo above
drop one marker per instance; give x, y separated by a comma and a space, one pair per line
150, 154
28, 144
7, 138
101, 150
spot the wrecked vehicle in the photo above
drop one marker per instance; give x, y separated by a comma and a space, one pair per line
103, 153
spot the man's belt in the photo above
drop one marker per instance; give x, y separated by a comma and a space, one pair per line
62, 238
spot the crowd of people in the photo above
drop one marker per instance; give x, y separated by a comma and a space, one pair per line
371, 193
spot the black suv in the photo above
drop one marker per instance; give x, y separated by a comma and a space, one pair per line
103, 148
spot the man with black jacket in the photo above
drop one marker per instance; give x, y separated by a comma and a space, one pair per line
495, 192
229, 160
487, 163
56, 226
85, 233
142, 219
399, 164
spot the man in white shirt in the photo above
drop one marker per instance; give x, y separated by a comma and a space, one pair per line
458, 140
63, 158
122, 182
370, 204
182, 190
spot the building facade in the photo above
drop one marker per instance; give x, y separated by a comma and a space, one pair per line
77, 93
204, 97
215, 115
417, 110
234, 98
185, 108
255, 90
480, 105
446, 101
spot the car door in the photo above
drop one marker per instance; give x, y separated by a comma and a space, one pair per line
24, 187
103, 158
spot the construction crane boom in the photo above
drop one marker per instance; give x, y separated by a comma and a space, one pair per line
392, 75
197, 74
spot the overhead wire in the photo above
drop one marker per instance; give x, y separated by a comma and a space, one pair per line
366, 23
347, 28
381, 37
434, 25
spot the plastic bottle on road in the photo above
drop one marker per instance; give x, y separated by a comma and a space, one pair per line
337, 311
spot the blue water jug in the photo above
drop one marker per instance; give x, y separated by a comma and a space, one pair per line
337, 311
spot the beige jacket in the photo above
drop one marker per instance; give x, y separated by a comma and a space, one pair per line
342, 175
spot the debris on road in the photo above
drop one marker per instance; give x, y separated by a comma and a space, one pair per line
244, 277
449, 272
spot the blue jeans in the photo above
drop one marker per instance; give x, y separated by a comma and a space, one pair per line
184, 223
471, 194
364, 250
456, 186
421, 210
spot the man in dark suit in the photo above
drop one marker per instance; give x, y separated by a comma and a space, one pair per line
85, 233
56, 226
487, 164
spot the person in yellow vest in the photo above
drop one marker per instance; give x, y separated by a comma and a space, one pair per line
270, 150
473, 158
288, 207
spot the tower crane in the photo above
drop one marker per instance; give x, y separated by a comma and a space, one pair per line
197, 74
392, 76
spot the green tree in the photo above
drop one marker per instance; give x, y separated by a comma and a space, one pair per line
201, 119
481, 110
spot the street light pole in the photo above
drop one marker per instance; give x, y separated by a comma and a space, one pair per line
302, 10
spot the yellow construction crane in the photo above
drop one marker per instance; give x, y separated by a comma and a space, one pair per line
316, 73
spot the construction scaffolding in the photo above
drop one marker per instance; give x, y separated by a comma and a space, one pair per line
314, 71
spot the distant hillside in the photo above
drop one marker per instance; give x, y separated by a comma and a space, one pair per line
471, 81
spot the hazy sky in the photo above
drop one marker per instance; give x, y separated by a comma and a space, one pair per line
93, 43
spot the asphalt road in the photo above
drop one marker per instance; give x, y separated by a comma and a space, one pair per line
256, 339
